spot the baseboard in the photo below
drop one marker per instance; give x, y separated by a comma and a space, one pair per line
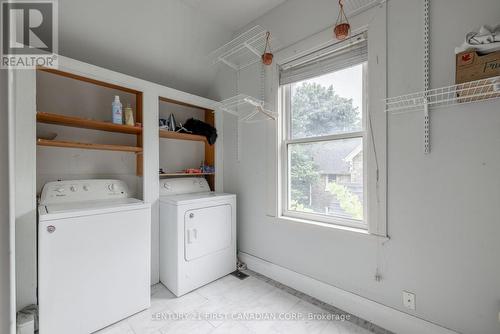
381, 315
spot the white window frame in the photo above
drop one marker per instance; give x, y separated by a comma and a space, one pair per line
286, 140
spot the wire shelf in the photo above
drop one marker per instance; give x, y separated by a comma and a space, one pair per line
248, 108
242, 51
469, 92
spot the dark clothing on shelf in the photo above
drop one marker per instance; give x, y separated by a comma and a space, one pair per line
201, 128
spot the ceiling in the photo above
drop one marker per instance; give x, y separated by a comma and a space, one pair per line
353, 7
168, 41
233, 14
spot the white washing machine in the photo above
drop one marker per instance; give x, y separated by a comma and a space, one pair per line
93, 255
197, 234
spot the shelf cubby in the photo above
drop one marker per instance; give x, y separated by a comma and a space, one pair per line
207, 115
80, 121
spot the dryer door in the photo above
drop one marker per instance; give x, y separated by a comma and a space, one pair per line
206, 231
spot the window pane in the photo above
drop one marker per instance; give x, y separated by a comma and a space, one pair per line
328, 104
327, 178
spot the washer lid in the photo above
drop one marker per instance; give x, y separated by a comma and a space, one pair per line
195, 197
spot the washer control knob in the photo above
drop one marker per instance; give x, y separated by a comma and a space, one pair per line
112, 187
72, 188
166, 185
60, 189
191, 215
85, 188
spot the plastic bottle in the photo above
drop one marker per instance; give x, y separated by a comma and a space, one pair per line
117, 111
129, 115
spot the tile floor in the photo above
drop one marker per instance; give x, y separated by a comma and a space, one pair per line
220, 306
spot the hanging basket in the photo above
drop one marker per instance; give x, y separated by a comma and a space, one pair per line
267, 56
342, 28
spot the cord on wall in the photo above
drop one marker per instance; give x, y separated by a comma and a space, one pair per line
378, 277
238, 126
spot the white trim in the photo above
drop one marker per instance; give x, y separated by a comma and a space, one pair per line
367, 134
284, 94
330, 49
311, 217
354, 153
381, 315
374, 21
342, 227
219, 151
316, 139
12, 208
23, 88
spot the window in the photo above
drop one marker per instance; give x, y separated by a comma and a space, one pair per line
324, 139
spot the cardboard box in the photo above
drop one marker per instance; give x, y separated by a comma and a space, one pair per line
471, 66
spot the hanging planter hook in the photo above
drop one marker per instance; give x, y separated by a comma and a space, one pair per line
267, 56
342, 27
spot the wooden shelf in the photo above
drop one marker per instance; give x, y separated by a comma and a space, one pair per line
185, 174
181, 136
88, 146
77, 122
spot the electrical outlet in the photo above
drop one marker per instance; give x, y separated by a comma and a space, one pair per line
409, 300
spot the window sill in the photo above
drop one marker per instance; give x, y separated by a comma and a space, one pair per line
358, 231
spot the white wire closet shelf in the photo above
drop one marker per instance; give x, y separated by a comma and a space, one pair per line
248, 108
242, 51
469, 92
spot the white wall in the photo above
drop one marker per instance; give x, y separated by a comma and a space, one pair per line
441, 207
4, 208
163, 41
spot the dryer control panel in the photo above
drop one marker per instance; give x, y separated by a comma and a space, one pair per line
82, 190
187, 185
